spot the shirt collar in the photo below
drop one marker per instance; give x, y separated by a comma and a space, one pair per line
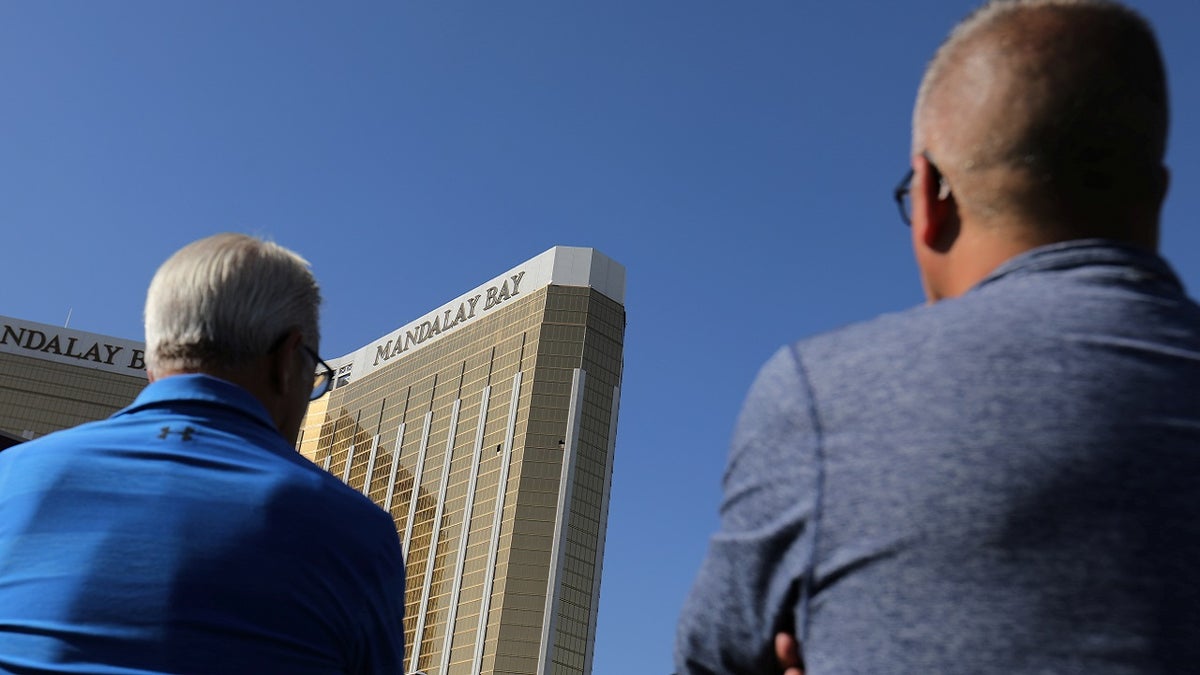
1087, 252
204, 389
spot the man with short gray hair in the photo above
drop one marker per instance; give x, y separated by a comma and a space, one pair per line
185, 533
1007, 479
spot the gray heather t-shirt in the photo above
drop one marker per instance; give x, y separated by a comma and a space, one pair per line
1007, 482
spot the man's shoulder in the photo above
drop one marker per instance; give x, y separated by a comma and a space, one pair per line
221, 453
890, 332
919, 342
982, 314
297, 484
329, 489
58, 440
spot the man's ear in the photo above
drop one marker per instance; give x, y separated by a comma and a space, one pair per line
1164, 183
935, 212
283, 360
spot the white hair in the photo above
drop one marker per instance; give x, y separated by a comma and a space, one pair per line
225, 300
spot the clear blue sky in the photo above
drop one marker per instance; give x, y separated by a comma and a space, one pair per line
737, 158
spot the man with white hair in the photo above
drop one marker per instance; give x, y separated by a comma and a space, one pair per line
185, 533
1007, 479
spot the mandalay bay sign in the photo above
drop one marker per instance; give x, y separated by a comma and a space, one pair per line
448, 318
562, 265
64, 345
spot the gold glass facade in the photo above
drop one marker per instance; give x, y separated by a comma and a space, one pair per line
55, 378
492, 449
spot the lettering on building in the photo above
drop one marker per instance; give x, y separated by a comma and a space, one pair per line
64, 345
448, 319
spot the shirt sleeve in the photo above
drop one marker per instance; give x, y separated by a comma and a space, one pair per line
749, 583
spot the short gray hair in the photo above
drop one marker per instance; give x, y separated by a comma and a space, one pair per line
225, 300
1084, 111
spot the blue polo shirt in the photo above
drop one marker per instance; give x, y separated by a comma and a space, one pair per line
185, 535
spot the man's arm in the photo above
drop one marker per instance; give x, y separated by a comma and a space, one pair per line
750, 581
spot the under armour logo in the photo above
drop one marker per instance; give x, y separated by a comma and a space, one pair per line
186, 433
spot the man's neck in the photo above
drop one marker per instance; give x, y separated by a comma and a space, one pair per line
254, 377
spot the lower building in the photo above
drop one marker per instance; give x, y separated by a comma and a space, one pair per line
487, 429
55, 377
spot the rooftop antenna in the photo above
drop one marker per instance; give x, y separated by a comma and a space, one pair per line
67, 323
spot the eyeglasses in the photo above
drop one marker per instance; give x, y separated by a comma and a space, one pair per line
900, 194
323, 378
904, 189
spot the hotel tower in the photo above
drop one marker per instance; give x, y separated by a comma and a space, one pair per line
486, 428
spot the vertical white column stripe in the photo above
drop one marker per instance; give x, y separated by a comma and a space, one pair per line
456, 586
416, 491
325, 465
608, 472
366, 489
426, 589
391, 491
557, 550
349, 460
497, 516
